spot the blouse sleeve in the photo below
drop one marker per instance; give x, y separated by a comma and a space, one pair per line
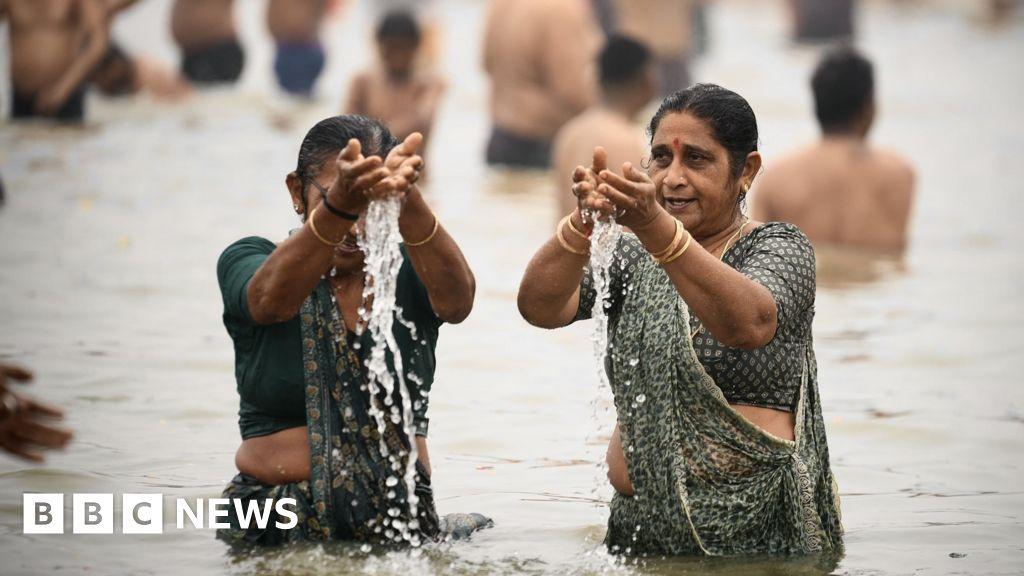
235, 268
782, 260
627, 256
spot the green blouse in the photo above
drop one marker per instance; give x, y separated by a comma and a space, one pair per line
268, 358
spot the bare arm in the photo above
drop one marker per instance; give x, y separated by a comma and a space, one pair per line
549, 293
93, 20
570, 57
736, 310
292, 271
439, 263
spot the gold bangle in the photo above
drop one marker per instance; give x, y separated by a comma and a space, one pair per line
433, 233
565, 243
689, 238
573, 228
676, 238
312, 226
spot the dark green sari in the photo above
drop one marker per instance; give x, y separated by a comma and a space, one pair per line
348, 496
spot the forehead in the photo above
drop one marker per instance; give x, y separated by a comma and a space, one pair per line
685, 128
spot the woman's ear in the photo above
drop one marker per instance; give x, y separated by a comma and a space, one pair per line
750, 169
296, 189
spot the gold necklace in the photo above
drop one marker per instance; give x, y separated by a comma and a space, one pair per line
721, 257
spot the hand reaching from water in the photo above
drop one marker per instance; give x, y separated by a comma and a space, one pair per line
26, 425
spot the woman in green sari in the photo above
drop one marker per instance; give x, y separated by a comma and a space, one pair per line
292, 310
720, 446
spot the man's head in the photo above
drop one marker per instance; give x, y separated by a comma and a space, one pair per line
626, 72
844, 93
398, 39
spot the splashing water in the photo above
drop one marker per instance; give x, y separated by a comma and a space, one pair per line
602, 253
380, 241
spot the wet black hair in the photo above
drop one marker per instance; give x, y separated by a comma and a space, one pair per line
622, 60
732, 121
399, 25
844, 87
329, 136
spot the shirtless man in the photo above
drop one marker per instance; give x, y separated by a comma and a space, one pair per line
627, 84
841, 190
205, 32
538, 54
667, 28
406, 100
55, 44
120, 73
295, 26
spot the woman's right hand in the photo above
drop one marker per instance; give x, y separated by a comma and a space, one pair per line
584, 187
357, 176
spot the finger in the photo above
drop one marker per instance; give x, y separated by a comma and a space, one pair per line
621, 184
14, 447
580, 174
634, 175
411, 144
618, 198
598, 203
352, 151
415, 162
16, 373
367, 181
47, 410
600, 160
582, 189
41, 434
359, 167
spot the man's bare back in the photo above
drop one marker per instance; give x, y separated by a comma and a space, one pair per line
200, 23
840, 192
538, 54
48, 62
406, 106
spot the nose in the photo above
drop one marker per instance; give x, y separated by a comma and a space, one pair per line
676, 176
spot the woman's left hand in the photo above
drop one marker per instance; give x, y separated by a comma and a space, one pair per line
633, 194
405, 164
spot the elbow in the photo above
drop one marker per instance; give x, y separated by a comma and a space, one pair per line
457, 310
755, 334
533, 314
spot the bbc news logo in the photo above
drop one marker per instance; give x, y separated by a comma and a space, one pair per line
144, 513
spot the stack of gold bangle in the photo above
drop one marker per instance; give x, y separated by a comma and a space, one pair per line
565, 243
674, 250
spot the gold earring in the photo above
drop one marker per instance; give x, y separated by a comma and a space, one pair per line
297, 210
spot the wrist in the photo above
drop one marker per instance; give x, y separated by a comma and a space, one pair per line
657, 234
584, 225
416, 220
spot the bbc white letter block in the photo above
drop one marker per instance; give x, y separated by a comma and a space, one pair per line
92, 514
42, 514
142, 513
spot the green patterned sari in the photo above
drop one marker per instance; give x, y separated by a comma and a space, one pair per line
706, 480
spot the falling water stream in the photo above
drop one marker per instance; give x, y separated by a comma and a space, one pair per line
380, 241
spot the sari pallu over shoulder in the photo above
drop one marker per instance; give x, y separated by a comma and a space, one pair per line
706, 480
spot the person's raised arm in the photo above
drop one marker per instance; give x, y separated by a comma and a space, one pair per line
736, 310
549, 293
92, 18
291, 272
435, 256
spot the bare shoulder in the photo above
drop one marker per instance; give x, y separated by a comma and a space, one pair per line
896, 168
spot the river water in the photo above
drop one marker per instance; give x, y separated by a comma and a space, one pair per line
110, 236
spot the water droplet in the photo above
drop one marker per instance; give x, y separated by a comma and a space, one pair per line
365, 548
634, 361
640, 398
391, 481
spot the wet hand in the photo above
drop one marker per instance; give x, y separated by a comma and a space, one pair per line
26, 426
585, 184
632, 195
357, 177
405, 166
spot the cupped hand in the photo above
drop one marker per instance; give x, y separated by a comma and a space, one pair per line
585, 182
632, 194
405, 166
357, 176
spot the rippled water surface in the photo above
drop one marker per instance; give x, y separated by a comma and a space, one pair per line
110, 236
